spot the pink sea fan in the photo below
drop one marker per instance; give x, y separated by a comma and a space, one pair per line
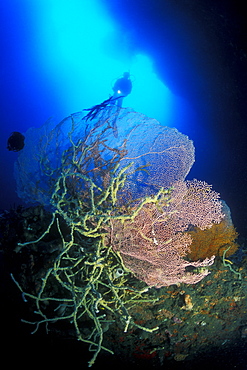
154, 245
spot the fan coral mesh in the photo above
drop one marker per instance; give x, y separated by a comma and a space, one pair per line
160, 155
153, 245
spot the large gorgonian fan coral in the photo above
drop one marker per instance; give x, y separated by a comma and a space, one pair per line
159, 155
72, 183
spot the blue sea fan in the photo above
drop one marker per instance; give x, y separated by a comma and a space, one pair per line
159, 155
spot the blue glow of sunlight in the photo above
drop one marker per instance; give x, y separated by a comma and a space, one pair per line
74, 50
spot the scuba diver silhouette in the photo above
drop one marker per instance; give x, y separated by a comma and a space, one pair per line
122, 88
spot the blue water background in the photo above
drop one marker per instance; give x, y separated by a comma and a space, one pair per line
59, 57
